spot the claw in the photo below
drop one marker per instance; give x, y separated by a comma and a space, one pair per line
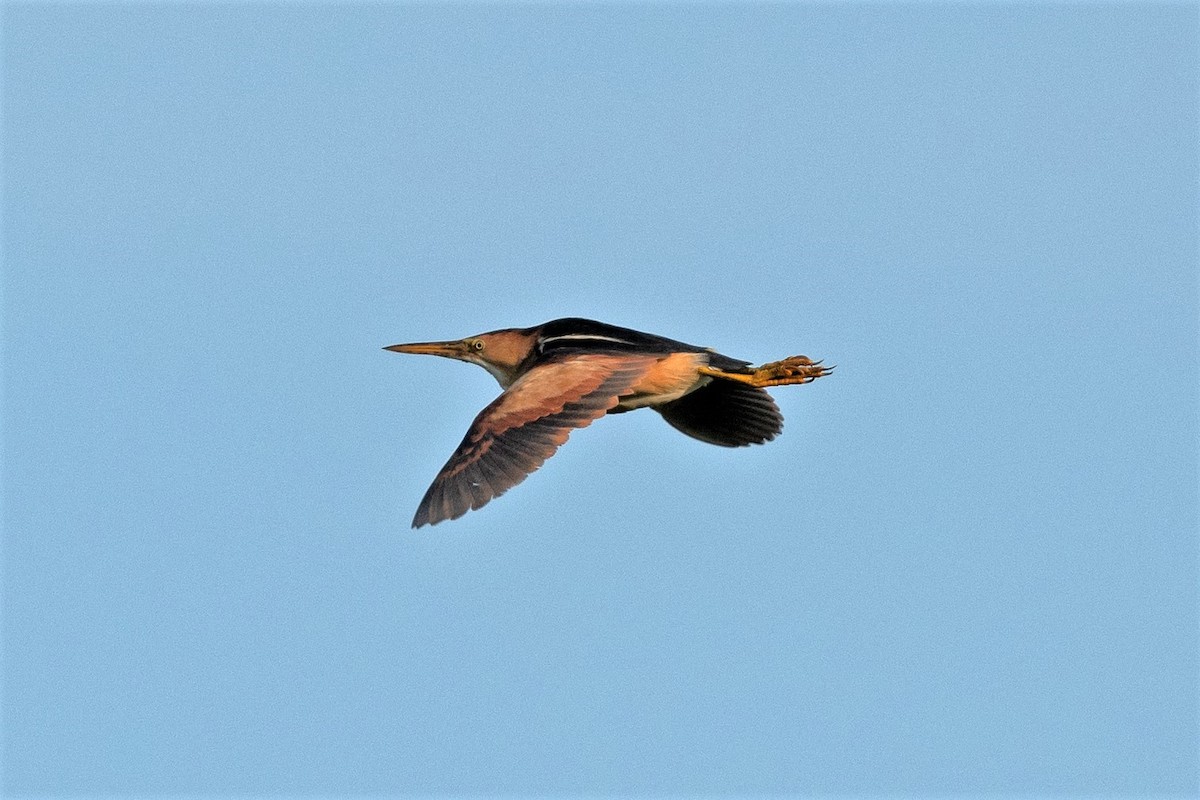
792, 370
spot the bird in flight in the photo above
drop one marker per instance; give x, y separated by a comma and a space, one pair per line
568, 373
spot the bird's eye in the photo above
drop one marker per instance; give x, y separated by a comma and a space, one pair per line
477, 344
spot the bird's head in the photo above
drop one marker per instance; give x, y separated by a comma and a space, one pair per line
499, 352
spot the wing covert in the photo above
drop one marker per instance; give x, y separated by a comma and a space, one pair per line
524, 426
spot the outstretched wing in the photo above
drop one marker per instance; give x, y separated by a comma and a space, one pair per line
524, 426
725, 413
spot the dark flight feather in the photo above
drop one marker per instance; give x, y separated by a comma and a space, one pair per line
524, 426
725, 413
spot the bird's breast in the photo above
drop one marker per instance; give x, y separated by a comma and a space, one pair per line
669, 378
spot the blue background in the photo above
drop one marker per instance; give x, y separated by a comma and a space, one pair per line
968, 566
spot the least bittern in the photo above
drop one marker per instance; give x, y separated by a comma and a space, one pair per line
570, 372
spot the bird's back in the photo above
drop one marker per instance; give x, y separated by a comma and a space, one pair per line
573, 334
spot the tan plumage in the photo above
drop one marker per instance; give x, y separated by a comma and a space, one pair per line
523, 427
568, 373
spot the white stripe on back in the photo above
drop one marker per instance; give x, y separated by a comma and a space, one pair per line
587, 337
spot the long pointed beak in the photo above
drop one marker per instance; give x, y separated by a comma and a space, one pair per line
445, 349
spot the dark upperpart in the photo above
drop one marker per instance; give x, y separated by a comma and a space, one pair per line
574, 334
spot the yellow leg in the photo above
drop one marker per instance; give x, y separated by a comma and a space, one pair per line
797, 369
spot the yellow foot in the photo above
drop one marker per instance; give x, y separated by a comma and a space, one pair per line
797, 369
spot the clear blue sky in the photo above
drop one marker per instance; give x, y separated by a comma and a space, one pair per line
968, 566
